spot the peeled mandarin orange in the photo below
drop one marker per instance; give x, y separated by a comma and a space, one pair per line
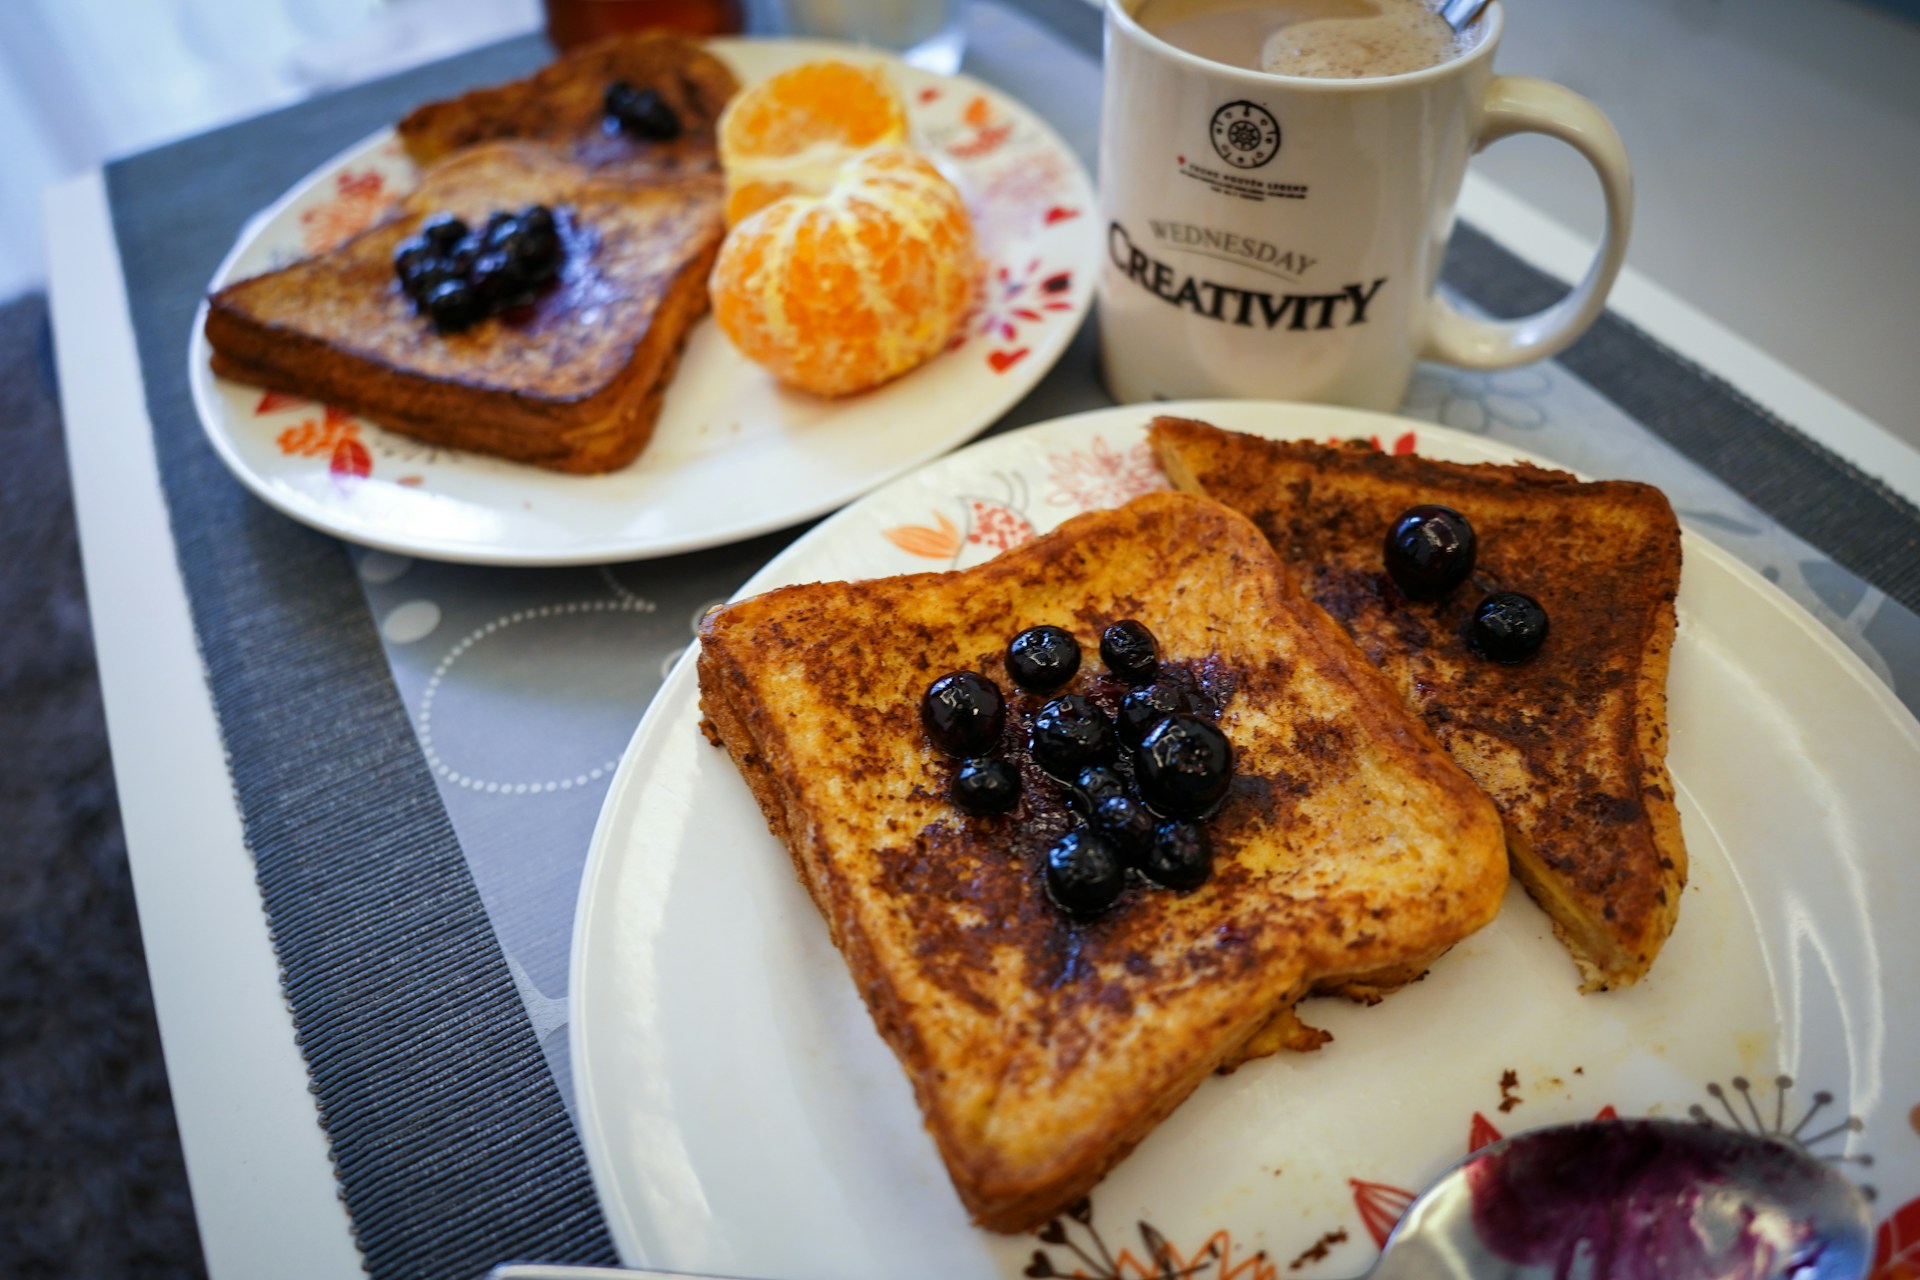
840, 292
792, 132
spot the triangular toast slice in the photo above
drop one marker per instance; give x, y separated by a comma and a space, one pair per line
572, 381
564, 105
1571, 743
1042, 1049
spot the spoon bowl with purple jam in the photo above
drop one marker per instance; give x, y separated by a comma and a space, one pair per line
1603, 1200
1641, 1199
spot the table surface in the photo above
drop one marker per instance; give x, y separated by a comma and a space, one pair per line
263, 1189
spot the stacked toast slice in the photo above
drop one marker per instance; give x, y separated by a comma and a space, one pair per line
1349, 852
1571, 743
564, 105
572, 381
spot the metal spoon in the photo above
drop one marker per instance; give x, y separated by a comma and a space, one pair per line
1607, 1199
1459, 14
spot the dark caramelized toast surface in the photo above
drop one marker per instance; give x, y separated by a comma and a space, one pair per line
1042, 1049
571, 381
1571, 743
564, 105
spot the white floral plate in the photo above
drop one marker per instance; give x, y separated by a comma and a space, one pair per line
734, 454
742, 1116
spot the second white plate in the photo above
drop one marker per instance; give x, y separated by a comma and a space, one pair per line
742, 1116
734, 454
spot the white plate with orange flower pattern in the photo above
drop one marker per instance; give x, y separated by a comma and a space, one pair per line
741, 1115
734, 454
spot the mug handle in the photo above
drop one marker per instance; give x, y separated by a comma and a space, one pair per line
1522, 104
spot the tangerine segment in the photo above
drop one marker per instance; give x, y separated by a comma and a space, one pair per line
817, 104
837, 293
792, 133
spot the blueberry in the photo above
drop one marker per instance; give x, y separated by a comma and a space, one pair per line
1084, 874
1129, 651
501, 228
537, 218
987, 785
420, 268
1071, 733
1043, 658
1141, 709
1429, 551
535, 252
1184, 765
963, 713
1180, 857
642, 112
453, 306
1092, 785
493, 277
1509, 627
1124, 823
410, 253
443, 231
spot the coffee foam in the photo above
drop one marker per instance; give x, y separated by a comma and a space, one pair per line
1326, 39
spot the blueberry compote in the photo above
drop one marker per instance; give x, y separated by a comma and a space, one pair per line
1105, 777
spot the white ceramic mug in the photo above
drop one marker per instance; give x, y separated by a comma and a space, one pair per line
1279, 237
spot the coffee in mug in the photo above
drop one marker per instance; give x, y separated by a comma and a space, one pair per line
1279, 235
1338, 39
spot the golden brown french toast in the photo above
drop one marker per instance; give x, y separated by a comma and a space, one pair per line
572, 381
1042, 1047
564, 105
1571, 742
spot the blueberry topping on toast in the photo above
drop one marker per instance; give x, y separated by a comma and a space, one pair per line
1124, 823
1071, 733
1184, 766
1084, 874
1091, 785
963, 713
1043, 658
502, 265
1180, 857
1130, 652
1509, 627
641, 113
1141, 709
1429, 551
986, 785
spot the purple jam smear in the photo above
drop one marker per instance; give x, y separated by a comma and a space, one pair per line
1630, 1200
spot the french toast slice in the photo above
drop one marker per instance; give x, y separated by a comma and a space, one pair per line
1571, 743
563, 105
573, 381
1041, 1050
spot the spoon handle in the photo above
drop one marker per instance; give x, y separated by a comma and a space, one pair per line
1459, 13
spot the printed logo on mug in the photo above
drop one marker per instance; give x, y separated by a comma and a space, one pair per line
1277, 182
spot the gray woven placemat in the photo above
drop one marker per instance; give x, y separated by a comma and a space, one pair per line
450, 1140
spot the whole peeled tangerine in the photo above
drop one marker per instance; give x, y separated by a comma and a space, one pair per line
843, 291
